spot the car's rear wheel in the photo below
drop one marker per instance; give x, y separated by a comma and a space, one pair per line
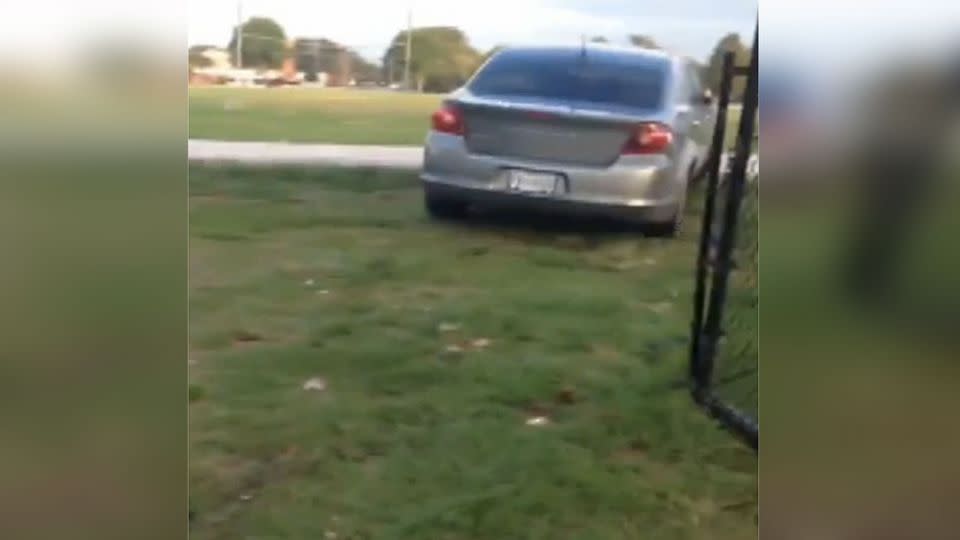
673, 227
668, 229
444, 207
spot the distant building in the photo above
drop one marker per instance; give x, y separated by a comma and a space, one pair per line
219, 58
220, 70
322, 79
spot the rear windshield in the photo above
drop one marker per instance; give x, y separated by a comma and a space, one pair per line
606, 77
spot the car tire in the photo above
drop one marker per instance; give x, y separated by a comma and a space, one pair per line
673, 227
668, 229
444, 208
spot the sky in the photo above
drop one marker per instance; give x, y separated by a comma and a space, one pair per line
827, 36
690, 27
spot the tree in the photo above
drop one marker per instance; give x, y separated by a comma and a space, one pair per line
714, 69
363, 69
441, 58
644, 42
306, 52
314, 55
196, 58
599, 39
264, 44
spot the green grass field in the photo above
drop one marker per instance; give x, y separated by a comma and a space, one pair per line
331, 115
322, 115
437, 343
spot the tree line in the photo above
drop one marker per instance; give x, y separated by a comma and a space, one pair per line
441, 57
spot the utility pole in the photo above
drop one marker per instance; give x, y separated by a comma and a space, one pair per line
239, 43
406, 65
315, 62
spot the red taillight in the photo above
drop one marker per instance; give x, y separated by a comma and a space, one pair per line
448, 120
649, 138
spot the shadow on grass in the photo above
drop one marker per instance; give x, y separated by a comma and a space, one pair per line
539, 225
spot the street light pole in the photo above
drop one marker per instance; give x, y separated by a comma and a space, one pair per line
406, 65
239, 43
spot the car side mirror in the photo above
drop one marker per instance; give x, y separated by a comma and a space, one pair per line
707, 97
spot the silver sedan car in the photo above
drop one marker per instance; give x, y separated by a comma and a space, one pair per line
594, 130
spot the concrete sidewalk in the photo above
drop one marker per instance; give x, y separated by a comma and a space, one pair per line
281, 153
339, 155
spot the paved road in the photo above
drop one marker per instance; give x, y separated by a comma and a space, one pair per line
273, 153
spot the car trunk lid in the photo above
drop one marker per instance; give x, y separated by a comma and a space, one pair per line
548, 131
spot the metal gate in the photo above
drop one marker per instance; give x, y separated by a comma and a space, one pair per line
722, 249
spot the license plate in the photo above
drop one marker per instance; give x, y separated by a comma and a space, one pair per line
532, 182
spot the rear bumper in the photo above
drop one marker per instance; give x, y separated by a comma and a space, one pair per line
638, 188
648, 213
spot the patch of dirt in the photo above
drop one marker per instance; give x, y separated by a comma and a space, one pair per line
473, 251
242, 336
639, 445
253, 479
537, 408
566, 396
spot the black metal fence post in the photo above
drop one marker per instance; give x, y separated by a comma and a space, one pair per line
699, 370
709, 308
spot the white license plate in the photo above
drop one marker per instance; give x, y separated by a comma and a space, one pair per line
532, 182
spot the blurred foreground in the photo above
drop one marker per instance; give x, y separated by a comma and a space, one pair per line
861, 287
